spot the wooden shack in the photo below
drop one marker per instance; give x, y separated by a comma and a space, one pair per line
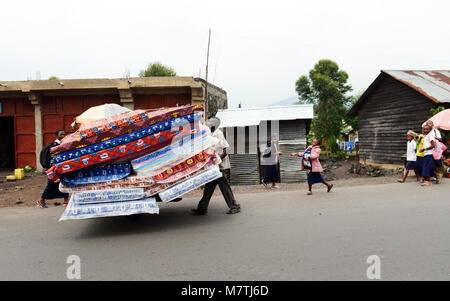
397, 101
247, 130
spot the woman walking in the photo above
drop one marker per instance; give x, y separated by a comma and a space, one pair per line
428, 162
311, 161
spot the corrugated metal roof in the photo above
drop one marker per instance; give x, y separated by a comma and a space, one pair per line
432, 84
253, 116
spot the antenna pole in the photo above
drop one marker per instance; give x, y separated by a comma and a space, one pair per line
206, 79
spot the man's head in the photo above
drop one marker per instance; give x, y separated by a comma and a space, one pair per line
213, 123
426, 129
60, 134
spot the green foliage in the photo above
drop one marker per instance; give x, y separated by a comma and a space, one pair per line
351, 121
340, 154
53, 77
437, 110
326, 87
157, 69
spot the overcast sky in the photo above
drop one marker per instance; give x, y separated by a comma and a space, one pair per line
258, 48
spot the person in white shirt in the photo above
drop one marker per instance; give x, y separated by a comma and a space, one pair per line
434, 131
410, 156
202, 207
428, 170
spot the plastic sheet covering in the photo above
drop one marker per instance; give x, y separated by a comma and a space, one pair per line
156, 188
113, 130
186, 167
77, 211
190, 183
127, 138
96, 174
157, 162
105, 111
129, 182
108, 195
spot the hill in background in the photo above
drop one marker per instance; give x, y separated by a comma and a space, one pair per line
285, 102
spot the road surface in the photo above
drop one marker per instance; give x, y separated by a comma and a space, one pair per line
282, 235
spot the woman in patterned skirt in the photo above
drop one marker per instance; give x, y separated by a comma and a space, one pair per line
314, 176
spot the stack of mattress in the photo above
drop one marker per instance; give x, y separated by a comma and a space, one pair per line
125, 164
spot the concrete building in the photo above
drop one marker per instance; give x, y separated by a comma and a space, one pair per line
31, 111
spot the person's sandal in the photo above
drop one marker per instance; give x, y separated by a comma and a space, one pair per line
234, 210
41, 204
198, 212
329, 187
400, 181
309, 193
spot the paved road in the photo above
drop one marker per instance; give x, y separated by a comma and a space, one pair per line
278, 236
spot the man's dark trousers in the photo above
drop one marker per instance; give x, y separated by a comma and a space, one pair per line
209, 191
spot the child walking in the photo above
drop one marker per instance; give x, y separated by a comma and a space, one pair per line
419, 154
410, 156
312, 154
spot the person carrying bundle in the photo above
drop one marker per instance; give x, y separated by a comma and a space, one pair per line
202, 207
310, 160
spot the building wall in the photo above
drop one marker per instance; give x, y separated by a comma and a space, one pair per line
217, 98
155, 101
58, 112
384, 118
24, 130
39, 108
292, 140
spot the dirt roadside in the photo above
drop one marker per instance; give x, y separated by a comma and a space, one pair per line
26, 192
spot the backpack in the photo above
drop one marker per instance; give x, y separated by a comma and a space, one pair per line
45, 157
306, 161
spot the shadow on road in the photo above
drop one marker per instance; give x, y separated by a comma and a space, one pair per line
172, 217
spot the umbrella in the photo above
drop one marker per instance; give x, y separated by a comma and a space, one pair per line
441, 120
100, 112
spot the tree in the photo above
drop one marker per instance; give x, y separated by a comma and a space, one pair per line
157, 69
326, 87
352, 121
53, 77
436, 110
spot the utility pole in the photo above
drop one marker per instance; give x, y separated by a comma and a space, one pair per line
206, 79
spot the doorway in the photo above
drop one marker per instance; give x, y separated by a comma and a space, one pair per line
7, 149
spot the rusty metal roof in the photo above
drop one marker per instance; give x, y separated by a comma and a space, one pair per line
433, 84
